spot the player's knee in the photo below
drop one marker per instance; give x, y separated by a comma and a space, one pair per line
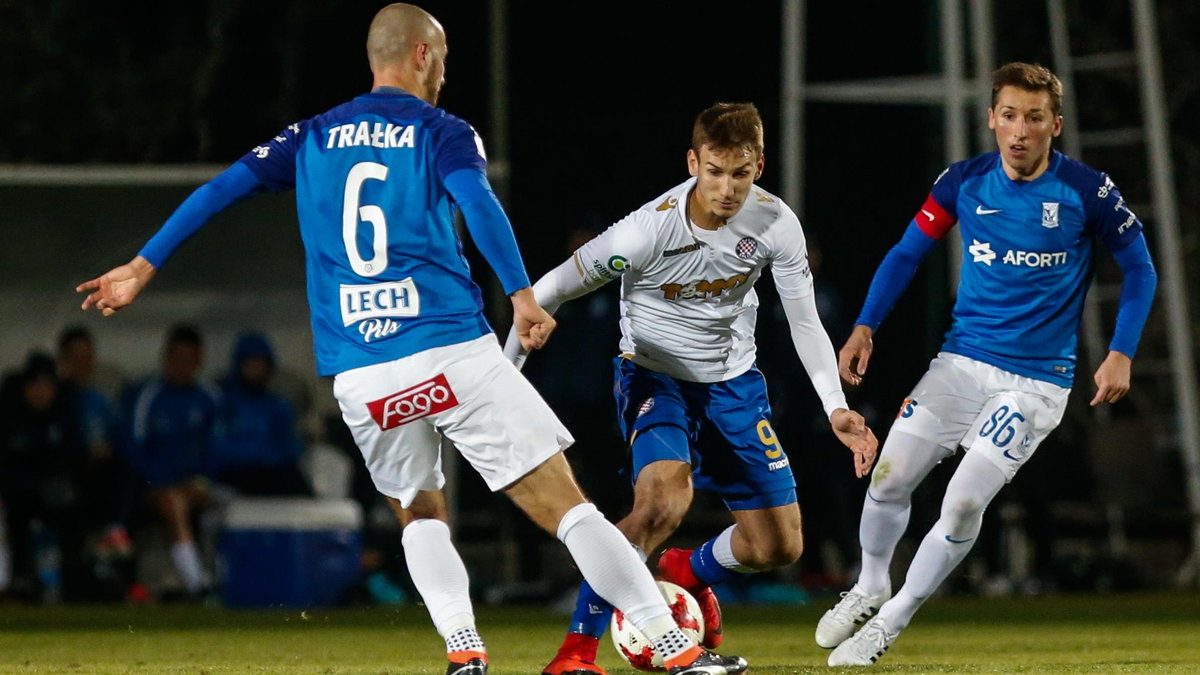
889, 486
964, 512
661, 512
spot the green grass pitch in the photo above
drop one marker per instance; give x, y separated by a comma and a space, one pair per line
1066, 634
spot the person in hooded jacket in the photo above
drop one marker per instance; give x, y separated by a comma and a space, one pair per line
257, 449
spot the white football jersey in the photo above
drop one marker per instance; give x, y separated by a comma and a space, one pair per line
688, 306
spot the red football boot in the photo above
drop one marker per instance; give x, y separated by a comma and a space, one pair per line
576, 656
675, 565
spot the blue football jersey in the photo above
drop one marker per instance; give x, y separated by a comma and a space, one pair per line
386, 273
1027, 258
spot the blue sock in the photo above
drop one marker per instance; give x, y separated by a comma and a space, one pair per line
707, 569
592, 613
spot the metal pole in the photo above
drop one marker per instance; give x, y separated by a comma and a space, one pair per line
791, 118
955, 127
1064, 66
1170, 262
984, 51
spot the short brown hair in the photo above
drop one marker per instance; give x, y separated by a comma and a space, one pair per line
729, 126
1030, 77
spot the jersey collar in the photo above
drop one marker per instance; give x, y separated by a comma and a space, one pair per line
389, 92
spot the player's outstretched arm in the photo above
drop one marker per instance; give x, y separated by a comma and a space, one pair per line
890, 280
532, 324
117, 287
557, 286
852, 430
856, 354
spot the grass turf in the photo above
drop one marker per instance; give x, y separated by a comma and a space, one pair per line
1065, 634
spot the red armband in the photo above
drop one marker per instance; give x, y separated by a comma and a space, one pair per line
933, 220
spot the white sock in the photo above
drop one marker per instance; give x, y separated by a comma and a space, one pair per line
614, 571
974, 484
187, 560
439, 575
882, 525
722, 550
903, 464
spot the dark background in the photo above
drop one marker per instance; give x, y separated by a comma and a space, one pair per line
602, 98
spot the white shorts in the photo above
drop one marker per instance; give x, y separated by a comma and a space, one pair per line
961, 401
469, 393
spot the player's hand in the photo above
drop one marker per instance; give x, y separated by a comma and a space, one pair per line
1112, 379
853, 432
532, 323
855, 354
117, 287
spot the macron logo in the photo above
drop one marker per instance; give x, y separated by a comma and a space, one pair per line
982, 251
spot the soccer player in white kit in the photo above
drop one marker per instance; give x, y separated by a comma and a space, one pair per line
1029, 218
691, 402
399, 323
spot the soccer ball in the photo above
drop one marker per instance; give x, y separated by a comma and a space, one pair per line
636, 648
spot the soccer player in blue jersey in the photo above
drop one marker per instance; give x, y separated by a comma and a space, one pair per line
399, 323
1029, 217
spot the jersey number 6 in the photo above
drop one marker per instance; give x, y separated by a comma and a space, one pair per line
352, 212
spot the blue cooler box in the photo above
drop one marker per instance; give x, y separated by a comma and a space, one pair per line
289, 552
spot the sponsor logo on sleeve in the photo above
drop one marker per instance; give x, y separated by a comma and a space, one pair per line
374, 308
428, 398
618, 264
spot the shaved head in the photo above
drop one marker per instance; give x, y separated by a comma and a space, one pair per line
396, 30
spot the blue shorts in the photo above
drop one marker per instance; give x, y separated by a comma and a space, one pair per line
732, 447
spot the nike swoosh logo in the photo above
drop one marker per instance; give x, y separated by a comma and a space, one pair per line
927, 215
592, 609
958, 541
983, 212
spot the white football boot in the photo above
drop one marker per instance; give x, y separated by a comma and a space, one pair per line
851, 611
866, 646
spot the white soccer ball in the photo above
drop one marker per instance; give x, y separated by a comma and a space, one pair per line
636, 648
